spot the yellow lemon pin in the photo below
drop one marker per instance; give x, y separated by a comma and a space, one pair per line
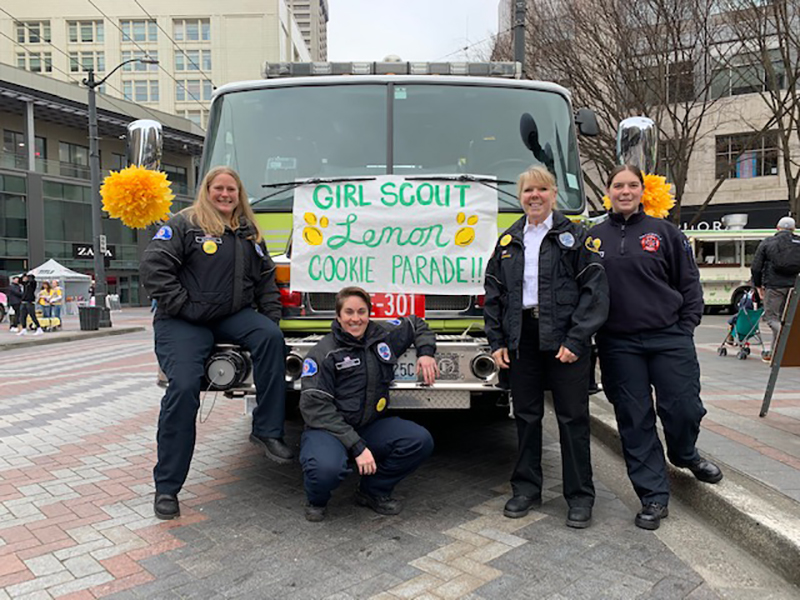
209, 247
381, 404
505, 240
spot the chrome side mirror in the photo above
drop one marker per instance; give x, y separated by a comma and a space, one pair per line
145, 144
637, 143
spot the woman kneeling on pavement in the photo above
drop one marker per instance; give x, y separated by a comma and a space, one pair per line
208, 268
647, 341
546, 295
345, 394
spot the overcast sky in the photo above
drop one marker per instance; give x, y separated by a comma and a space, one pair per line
420, 30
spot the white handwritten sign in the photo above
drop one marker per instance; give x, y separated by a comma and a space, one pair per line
393, 235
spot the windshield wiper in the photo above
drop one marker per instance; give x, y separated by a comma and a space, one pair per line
290, 185
482, 180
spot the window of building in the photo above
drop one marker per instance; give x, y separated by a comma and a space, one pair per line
37, 62
747, 75
190, 90
193, 60
14, 145
191, 30
85, 32
138, 66
741, 157
680, 82
118, 161
13, 216
74, 160
198, 117
139, 31
178, 177
140, 90
87, 61
33, 32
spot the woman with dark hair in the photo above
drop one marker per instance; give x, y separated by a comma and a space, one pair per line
345, 394
546, 295
209, 270
647, 342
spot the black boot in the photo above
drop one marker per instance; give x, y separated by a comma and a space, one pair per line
274, 448
166, 506
650, 516
706, 471
519, 506
383, 505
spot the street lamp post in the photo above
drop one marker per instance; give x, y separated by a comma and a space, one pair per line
98, 239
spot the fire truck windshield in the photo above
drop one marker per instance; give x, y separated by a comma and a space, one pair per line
275, 136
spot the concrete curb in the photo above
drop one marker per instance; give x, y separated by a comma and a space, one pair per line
759, 519
70, 337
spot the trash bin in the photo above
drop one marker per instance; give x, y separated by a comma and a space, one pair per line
89, 317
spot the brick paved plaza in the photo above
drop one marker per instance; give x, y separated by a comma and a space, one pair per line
77, 429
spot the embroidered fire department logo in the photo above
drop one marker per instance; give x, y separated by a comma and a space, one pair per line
309, 367
651, 242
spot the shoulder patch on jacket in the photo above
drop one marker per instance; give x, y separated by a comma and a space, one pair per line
566, 239
165, 233
310, 368
384, 351
259, 251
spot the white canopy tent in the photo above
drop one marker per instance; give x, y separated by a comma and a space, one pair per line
74, 285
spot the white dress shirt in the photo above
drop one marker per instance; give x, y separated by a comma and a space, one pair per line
532, 237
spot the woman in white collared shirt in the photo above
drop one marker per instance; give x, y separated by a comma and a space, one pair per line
546, 295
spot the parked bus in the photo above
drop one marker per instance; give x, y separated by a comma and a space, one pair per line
723, 259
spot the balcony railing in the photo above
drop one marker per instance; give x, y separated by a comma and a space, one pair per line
10, 160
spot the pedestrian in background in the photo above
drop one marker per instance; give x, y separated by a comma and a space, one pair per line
28, 305
56, 302
647, 342
344, 399
14, 297
43, 301
546, 295
775, 268
208, 268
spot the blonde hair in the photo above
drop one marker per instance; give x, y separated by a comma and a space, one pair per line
203, 214
536, 175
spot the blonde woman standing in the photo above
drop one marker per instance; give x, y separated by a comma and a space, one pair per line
213, 279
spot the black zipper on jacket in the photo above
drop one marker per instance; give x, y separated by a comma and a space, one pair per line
622, 239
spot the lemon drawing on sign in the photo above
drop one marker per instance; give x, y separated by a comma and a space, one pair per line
505, 240
466, 235
311, 234
381, 404
209, 247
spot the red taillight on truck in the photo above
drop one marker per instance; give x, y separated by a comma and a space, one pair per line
480, 301
290, 299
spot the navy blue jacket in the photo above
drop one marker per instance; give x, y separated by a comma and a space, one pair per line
652, 275
200, 278
345, 382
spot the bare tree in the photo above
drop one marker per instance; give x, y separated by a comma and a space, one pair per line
765, 37
650, 57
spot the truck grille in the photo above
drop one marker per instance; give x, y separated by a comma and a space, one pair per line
323, 302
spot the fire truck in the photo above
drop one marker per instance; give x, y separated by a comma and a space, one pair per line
336, 122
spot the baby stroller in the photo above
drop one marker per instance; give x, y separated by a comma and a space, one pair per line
743, 328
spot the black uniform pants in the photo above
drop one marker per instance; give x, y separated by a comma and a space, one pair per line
182, 349
631, 365
28, 309
14, 319
533, 371
397, 445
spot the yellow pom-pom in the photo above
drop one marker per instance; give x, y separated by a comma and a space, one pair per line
657, 197
137, 196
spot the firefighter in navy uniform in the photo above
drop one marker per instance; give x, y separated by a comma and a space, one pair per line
546, 295
208, 270
656, 303
345, 394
